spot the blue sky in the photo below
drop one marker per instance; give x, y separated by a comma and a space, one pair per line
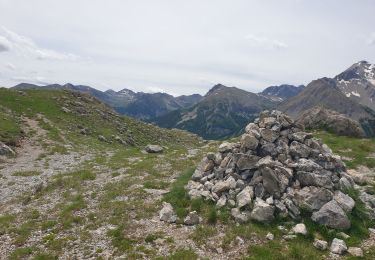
182, 47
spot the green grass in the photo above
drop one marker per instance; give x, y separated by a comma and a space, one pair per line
202, 233
5, 222
10, 130
359, 149
182, 254
21, 253
119, 240
275, 250
26, 173
67, 216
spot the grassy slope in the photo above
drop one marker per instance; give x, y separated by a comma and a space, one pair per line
355, 151
100, 119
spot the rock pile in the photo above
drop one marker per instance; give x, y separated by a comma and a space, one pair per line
276, 169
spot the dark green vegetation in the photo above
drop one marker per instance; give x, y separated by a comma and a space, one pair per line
222, 113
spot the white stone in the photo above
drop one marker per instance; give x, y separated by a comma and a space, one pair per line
300, 229
338, 246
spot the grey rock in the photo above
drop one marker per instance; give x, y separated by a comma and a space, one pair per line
262, 212
269, 135
167, 213
192, 219
332, 215
221, 186
300, 229
247, 162
268, 149
221, 202
289, 237
293, 210
270, 181
320, 244
345, 184
268, 162
313, 179
259, 190
299, 150
245, 196
240, 217
355, 251
307, 165
300, 136
338, 247
270, 236
249, 142
154, 148
312, 198
226, 147
345, 201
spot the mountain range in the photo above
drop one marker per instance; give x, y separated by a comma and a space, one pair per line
139, 105
224, 111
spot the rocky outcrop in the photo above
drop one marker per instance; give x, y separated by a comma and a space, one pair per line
322, 118
276, 169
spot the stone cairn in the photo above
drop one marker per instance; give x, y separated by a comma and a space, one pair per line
276, 169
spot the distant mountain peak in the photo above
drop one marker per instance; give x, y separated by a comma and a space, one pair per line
283, 91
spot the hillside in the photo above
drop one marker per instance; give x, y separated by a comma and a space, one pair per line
223, 112
135, 104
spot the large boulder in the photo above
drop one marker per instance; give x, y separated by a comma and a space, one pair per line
332, 215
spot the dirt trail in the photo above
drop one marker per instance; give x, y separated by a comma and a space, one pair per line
32, 158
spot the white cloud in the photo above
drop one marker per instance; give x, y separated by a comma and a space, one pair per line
21, 45
10, 66
265, 43
371, 39
4, 44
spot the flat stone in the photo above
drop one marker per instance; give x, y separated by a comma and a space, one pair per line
355, 251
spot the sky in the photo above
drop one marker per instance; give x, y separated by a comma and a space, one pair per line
182, 47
